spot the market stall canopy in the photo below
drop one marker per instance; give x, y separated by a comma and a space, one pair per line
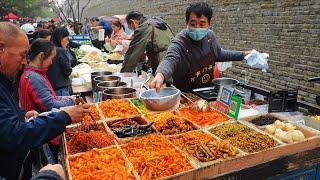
10, 16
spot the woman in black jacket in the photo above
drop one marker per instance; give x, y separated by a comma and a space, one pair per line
60, 70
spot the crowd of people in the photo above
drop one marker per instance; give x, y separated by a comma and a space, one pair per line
34, 72
36, 62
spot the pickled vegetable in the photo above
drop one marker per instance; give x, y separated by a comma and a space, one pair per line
243, 137
204, 147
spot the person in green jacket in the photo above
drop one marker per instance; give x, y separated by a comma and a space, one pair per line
151, 35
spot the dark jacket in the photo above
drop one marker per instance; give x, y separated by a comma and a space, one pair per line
17, 137
176, 63
47, 175
153, 36
59, 71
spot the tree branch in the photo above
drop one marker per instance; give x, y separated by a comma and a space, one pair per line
83, 7
72, 11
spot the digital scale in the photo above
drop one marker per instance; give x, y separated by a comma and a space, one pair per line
207, 93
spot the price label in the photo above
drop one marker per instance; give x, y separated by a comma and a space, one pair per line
225, 95
234, 107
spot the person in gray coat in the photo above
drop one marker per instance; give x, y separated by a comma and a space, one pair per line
191, 57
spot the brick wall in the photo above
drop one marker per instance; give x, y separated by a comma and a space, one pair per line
288, 30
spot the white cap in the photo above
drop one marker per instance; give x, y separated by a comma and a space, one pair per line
28, 29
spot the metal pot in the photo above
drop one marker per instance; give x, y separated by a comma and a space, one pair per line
111, 81
218, 82
127, 74
106, 85
119, 93
98, 73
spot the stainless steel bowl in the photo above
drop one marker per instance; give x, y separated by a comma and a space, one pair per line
229, 82
106, 85
119, 93
167, 98
225, 81
111, 81
98, 73
127, 74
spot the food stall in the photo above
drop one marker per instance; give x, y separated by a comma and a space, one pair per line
126, 139
178, 135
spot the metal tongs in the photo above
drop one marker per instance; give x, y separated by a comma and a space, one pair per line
144, 85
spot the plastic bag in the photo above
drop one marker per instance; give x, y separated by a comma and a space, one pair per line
257, 60
118, 48
222, 66
108, 46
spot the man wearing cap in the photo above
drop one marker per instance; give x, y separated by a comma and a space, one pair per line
30, 31
19, 134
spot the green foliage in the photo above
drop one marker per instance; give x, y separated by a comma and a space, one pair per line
28, 8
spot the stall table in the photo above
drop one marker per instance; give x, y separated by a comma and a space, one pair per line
290, 161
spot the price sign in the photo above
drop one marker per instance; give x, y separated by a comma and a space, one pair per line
221, 107
225, 95
234, 107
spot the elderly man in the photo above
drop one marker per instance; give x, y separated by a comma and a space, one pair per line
18, 135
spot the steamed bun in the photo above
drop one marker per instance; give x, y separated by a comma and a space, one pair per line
270, 129
296, 135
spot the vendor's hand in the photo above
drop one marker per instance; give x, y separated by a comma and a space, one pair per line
246, 52
157, 82
56, 168
31, 114
76, 113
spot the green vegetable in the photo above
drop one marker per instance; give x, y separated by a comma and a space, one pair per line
139, 104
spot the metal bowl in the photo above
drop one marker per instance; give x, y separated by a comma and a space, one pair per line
229, 82
111, 81
167, 98
119, 93
225, 81
98, 73
106, 85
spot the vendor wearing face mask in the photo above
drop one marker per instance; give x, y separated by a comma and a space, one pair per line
191, 57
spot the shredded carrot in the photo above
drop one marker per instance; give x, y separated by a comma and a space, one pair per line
209, 117
153, 157
118, 108
100, 164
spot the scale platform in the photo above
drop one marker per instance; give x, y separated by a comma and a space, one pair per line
207, 93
